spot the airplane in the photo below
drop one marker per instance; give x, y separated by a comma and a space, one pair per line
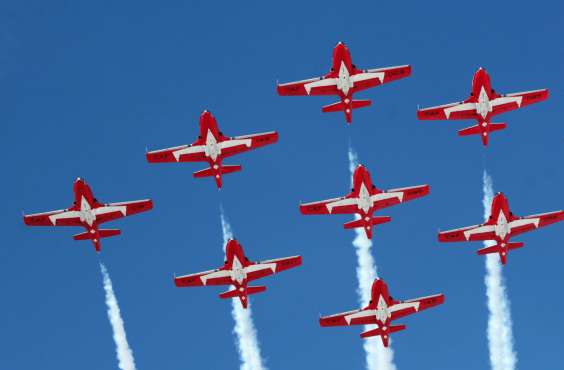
212, 147
483, 104
88, 212
382, 310
364, 200
500, 227
344, 80
238, 271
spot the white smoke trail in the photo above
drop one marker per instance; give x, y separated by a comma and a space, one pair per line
124, 353
247, 343
500, 334
377, 356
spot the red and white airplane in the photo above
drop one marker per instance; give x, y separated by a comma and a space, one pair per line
344, 80
212, 147
482, 105
88, 212
500, 227
364, 200
238, 271
382, 310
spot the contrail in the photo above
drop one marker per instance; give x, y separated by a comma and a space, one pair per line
247, 343
378, 357
500, 333
124, 354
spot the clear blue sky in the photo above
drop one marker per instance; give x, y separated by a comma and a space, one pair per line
86, 86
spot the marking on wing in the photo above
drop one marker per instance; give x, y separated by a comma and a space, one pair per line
189, 150
459, 107
321, 82
478, 230
366, 313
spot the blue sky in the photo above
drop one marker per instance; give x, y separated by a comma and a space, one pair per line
86, 87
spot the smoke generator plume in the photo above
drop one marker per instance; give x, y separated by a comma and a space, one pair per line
124, 353
378, 357
247, 343
500, 334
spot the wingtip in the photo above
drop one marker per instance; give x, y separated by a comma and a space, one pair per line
146, 150
277, 83
23, 213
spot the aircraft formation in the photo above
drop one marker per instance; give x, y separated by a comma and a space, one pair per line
344, 80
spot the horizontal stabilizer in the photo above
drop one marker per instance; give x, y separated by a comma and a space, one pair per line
515, 245
474, 130
488, 250
208, 172
337, 107
361, 103
360, 223
497, 126
250, 290
375, 332
229, 169
101, 234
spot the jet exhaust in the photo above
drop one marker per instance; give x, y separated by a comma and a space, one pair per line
500, 332
247, 342
124, 353
378, 357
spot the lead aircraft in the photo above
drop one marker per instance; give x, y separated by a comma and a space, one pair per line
212, 147
238, 271
482, 105
344, 80
364, 200
500, 227
88, 212
382, 310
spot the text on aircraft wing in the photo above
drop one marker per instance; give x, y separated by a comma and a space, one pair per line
529, 223
265, 268
459, 110
509, 102
412, 306
212, 277
240, 144
331, 206
471, 233
395, 196
55, 218
113, 211
356, 317
184, 153
313, 86
374, 77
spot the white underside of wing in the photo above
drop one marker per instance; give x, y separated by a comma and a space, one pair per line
189, 150
459, 107
368, 76
213, 275
260, 266
383, 196
324, 82
64, 215
110, 209
478, 230
529, 221
232, 143
507, 99
401, 306
344, 202
357, 315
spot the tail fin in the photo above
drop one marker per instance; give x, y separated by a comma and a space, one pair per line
360, 103
337, 107
495, 248
229, 169
209, 172
474, 130
101, 234
383, 333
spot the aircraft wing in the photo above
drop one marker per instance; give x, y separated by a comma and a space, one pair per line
113, 211
459, 110
356, 317
332, 206
508, 102
184, 153
240, 144
405, 308
374, 77
270, 267
471, 233
395, 196
529, 223
212, 277
314, 86
62, 217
